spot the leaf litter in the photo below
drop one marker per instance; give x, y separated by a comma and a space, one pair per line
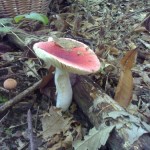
107, 27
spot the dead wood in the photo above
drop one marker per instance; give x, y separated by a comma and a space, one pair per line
30, 130
99, 108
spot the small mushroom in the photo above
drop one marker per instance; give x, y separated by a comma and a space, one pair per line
77, 58
10, 84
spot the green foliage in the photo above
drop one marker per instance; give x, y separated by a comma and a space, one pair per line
33, 16
3, 99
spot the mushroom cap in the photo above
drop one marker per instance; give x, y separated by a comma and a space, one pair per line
10, 84
76, 58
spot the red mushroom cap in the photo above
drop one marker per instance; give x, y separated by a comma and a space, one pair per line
78, 59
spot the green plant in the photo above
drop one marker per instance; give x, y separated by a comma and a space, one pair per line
33, 16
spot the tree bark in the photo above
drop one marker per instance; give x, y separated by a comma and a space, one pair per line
130, 132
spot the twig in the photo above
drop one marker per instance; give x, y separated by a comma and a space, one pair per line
30, 129
36, 118
4, 90
4, 117
19, 97
138, 11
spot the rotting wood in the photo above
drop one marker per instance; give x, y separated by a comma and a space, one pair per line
96, 105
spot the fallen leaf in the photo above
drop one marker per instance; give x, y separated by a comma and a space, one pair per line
124, 90
33, 16
29, 68
66, 44
128, 61
53, 122
64, 139
123, 94
94, 140
140, 29
113, 50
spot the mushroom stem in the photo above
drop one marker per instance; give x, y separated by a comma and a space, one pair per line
63, 89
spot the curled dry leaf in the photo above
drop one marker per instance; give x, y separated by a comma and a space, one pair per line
140, 29
123, 94
124, 89
146, 23
128, 61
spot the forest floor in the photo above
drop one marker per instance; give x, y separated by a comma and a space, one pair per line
113, 29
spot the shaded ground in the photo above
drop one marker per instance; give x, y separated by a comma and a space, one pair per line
111, 28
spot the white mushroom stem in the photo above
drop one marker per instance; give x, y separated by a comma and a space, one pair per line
63, 89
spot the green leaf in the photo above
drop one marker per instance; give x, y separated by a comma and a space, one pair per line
3, 99
39, 17
18, 18
34, 16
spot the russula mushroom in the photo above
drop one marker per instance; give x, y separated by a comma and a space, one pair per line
74, 57
10, 84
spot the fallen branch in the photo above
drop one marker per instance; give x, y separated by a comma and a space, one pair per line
30, 130
103, 111
19, 97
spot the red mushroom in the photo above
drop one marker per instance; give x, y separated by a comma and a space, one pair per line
74, 57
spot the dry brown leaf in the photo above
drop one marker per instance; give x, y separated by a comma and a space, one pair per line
53, 122
128, 61
123, 94
113, 50
140, 29
68, 45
